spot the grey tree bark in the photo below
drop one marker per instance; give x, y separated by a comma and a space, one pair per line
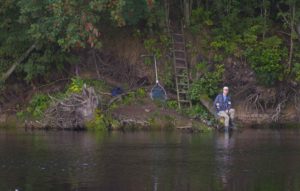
187, 11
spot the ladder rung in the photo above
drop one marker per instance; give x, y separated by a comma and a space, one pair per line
178, 39
183, 87
182, 92
180, 59
181, 51
180, 62
178, 49
185, 101
180, 67
178, 34
179, 43
179, 75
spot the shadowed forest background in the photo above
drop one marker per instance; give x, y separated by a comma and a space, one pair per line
54, 47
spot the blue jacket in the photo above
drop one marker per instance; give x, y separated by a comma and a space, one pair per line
222, 105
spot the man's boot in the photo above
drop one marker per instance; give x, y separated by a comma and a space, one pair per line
233, 125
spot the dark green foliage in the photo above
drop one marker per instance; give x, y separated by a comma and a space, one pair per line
172, 104
134, 11
99, 122
156, 17
259, 32
158, 46
37, 105
200, 18
266, 59
198, 111
208, 84
255, 31
56, 27
45, 60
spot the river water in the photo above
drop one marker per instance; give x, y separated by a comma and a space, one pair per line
254, 160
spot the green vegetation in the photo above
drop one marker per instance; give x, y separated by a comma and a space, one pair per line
133, 96
101, 121
158, 46
236, 28
266, 59
37, 105
40, 101
41, 41
208, 84
76, 85
165, 122
251, 30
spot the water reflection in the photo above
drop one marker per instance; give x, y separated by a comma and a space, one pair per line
252, 160
224, 147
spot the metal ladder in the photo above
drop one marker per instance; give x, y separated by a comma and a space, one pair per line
180, 65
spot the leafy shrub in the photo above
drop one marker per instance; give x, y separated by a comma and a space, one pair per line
140, 93
158, 46
198, 111
156, 17
201, 66
208, 84
132, 96
228, 46
76, 85
133, 11
200, 18
151, 46
98, 122
172, 104
168, 75
38, 104
265, 59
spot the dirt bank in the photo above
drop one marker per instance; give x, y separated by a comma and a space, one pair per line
148, 113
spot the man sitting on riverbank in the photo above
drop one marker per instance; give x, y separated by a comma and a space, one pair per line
222, 104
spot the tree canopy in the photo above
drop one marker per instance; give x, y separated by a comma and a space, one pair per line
265, 32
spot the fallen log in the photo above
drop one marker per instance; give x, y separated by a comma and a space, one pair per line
208, 104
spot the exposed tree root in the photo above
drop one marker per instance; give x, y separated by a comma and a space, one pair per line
72, 112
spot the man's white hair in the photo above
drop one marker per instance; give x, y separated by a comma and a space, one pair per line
225, 87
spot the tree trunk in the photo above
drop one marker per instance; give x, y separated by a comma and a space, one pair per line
187, 7
298, 30
265, 14
292, 25
167, 14
20, 60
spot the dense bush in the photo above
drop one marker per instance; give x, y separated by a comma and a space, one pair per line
200, 18
36, 107
266, 59
208, 84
